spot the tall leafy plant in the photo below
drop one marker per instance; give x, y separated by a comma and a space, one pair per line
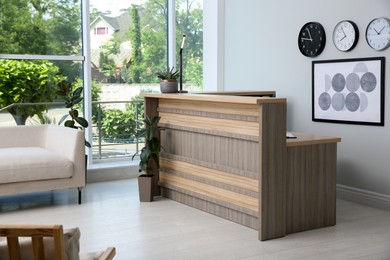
151, 151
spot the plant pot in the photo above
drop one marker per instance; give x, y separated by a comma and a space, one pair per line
145, 188
169, 86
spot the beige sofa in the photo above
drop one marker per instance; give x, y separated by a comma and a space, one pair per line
41, 158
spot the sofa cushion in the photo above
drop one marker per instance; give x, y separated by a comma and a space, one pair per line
21, 164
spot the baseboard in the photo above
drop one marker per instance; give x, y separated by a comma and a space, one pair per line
364, 197
112, 173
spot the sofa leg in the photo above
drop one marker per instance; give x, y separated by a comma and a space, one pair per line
79, 195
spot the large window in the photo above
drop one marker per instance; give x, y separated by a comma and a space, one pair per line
40, 46
127, 45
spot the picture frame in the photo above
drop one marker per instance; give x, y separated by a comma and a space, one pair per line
349, 91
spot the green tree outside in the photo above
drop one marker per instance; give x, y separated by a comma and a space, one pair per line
153, 49
27, 82
135, 40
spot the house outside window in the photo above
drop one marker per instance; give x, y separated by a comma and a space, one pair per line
101, 30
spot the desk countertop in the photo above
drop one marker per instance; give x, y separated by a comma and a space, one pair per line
309, 139
216, 98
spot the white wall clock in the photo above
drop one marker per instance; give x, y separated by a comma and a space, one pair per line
378, 33
345, 35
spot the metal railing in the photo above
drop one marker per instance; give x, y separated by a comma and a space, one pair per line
116, 144
123, 143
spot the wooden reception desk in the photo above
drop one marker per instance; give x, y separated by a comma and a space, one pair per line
228, 155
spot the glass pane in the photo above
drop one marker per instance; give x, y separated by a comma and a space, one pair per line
51, 27
128, 41
128, 47
28, 90
189, 17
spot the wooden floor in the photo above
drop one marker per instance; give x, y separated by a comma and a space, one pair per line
112, 216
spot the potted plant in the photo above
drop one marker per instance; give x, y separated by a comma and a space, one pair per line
168, 80
149, 157
71, 99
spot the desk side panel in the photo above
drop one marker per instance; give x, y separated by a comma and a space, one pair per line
272, 181
311, 186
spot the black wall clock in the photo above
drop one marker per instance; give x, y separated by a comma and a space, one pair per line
311, 39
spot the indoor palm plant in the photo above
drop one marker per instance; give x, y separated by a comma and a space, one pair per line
149, 157
168, 80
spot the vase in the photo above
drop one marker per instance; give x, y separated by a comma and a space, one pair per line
169, 86
145, 188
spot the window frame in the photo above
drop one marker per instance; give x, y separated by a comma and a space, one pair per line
85, 58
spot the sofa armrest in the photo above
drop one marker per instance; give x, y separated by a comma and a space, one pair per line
70, 143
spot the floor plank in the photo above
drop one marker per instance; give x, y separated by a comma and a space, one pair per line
111, 215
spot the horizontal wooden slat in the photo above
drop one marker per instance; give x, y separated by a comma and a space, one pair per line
212, 124
211, 174
250, 220
30, 230
216, 98
242, 93
210, 191
223, 108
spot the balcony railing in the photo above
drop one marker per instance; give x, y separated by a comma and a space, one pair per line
111, 137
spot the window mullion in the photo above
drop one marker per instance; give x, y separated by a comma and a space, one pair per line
171, 33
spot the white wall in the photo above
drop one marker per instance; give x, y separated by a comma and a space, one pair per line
261, 53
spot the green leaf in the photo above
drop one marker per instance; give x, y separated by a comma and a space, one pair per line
155, 120
78, 91
81, 121
154, 145
69, 123
74, 113
87, 144
62, 119
140, 133
155, 159
144, 155
76, 100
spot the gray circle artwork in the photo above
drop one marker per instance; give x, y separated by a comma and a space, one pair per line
363, 102
352, 102
352, 82
338, 82
368, 82
324, 101
338, 101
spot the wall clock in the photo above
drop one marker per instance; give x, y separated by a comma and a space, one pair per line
345, 35
311, 39
378, 33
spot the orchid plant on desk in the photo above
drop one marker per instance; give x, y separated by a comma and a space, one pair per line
168, 83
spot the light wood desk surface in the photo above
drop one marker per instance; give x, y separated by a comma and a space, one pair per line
255, 100
309, 139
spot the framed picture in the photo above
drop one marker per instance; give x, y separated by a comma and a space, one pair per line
349, 91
